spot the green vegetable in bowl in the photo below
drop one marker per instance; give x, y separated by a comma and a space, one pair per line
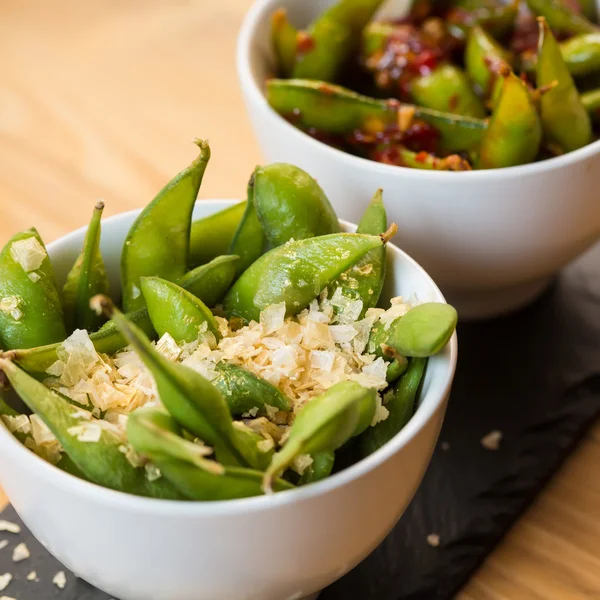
244, 375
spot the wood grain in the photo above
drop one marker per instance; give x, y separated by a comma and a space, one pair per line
101, 99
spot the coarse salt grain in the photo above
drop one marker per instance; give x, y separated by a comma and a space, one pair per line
7, 598
32, 576
86, 432
492, 440
433, 539
34, 277
152, 472
28, 253
21, 552
5, 580
10, 527
10, 307
3, 544
60, 580
18, 424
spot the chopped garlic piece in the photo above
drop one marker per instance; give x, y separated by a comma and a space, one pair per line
28, 253
21, 552
301, 463
60, 580
18, 424
5, 580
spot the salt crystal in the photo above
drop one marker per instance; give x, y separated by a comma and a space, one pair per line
34, 277
21, 552
32, 576
342, 333
9, 306
5, 580
492, 440
433, 539
40, 432
18, 424
272, 318
3, 544
60, 580
28, 253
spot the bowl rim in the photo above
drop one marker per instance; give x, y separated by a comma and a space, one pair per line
256, 96
431, 403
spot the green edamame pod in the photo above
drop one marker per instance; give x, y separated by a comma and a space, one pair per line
396, 154
107, 340
211, 236
560, 17
396, 369
67, 465
337, 110
581, 54
423, 331
497, 17
321, 468
175, 311
30, 308
190, 398
325, 48
291, 204
101, 462
564, 119
243, 390
249, 239
211, 281
400, 402
591, 102
364, 281
155, 435
164, 223
515, 132
284, 38
447, 89
323, 425
484, 58
297, 272
86, 279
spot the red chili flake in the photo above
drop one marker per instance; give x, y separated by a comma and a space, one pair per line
422, 157
304, 42
421, 136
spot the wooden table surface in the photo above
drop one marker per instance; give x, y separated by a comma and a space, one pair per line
101, 99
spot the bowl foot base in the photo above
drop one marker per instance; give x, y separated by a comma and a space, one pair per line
477, 305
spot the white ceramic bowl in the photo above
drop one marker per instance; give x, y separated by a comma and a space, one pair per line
283, 547
492, 240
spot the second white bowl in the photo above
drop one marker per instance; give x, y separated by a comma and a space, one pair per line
492, 240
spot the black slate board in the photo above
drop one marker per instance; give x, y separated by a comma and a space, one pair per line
535, 376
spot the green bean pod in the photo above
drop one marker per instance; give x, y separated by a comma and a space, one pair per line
101, 462
515, 133
296, 273
497, 17
400, 402
396, 154
86, 279
447, 89
364, 281
30, 309
175, 311
422, 332
165, 222
323, 425
284, 38
211, 281
591, 102
484, 58
321, 468
249, 239
564, 119
325, 48
244, 391
211, 236
156, 436
290, 204
337, 110
561, 18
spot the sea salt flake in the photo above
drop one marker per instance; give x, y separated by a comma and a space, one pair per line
40, 432
433, 539
168, 347
87, 432
18, 424
322, 359
342, 333
152, 472
3, 544
492, 440
32, 576
34, 277
272, 318
381, 412
5, 580
21, 552
60, 580
28, 253
10, 307
301, 463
